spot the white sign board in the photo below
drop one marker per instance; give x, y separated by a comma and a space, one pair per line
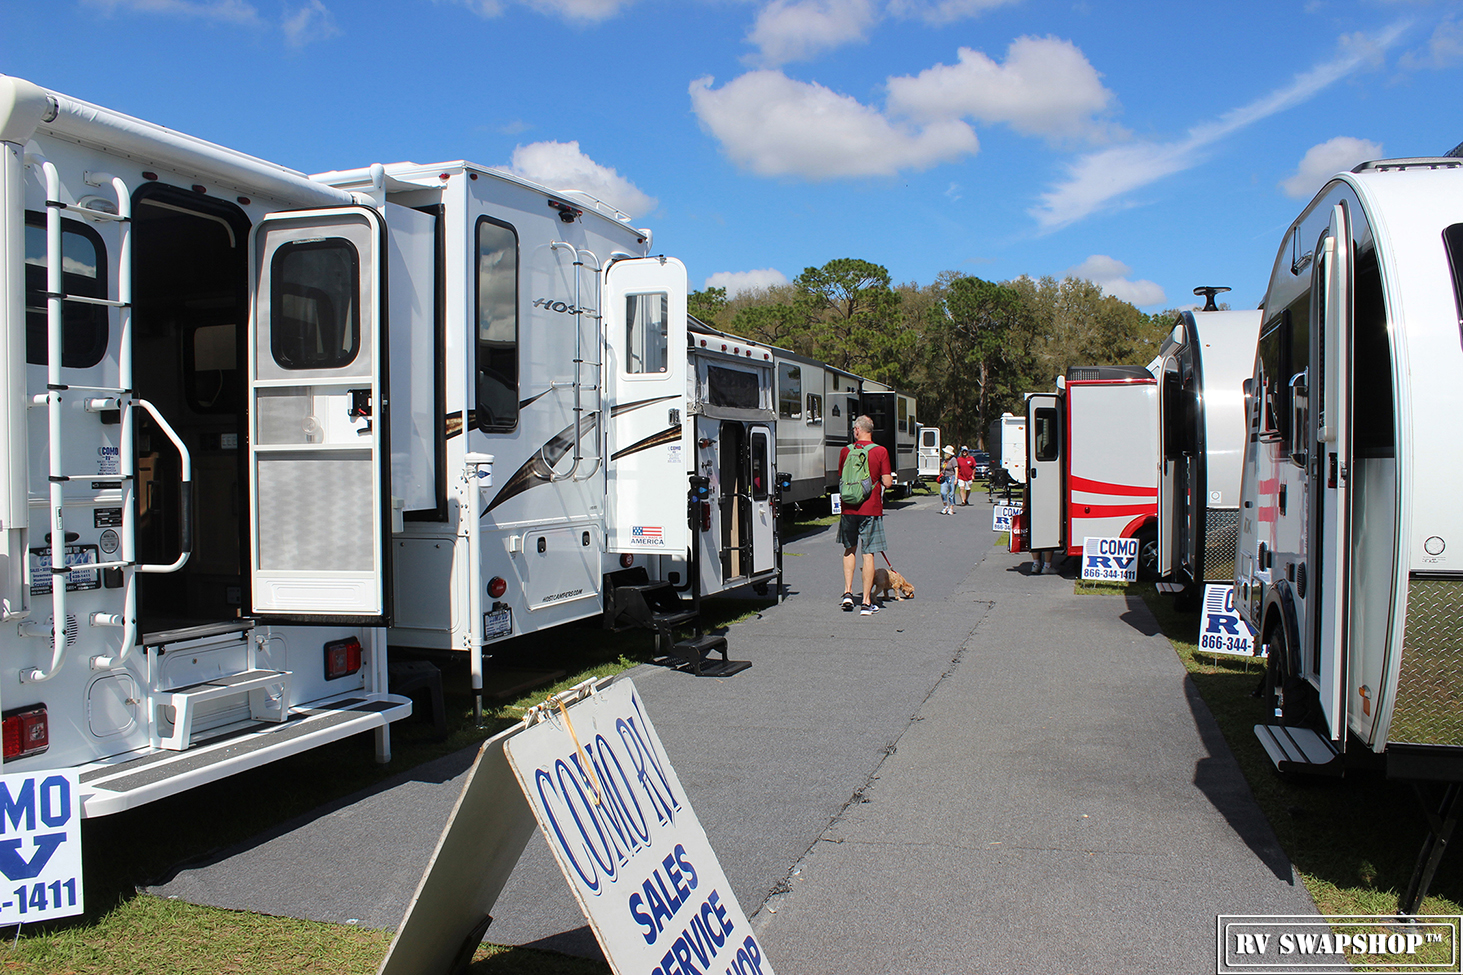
623, 832
40, 846
1221, 628
835, 503
1001, 516
1110, 559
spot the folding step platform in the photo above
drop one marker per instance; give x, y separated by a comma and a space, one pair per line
1300, 750
696, 650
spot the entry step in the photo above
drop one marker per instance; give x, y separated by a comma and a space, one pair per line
1299, 750
695, 651
256, 684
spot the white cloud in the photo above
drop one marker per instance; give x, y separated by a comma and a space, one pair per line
776, 126
737, 282
1047, 87
1099, 180
561, 166
939, 12
1444, 48
796, 30
224, 11
312, 22
1111, 276
1325, 160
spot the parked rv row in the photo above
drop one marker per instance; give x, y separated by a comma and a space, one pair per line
816, 406
258, 425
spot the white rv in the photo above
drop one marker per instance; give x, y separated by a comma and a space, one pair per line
800, 425
197, 479
1008, 446
929, 452
1090, 449
1201, 367
1350, 566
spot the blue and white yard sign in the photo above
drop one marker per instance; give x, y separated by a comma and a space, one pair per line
1221, 628
1110, 559
835, 503
1001, 516
40, 846
623, 832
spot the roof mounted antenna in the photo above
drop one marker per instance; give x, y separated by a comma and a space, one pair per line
1209, 291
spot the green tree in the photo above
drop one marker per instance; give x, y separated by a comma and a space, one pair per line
707, 305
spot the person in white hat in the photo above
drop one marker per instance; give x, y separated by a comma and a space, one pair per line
947, 481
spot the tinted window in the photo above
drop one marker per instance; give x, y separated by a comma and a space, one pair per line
1045, 440
903, 415
789, 391
315, 319
497, 327
83, 272
759, 466
646, 332
815, 408
731, 388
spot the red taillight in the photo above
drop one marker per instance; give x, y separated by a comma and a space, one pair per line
706, 516
497, 586
627, 560
342, 658
27, 732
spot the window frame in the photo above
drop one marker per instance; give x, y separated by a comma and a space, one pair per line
100, 315
277, 294
481, 416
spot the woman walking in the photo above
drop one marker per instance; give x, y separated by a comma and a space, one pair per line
947, 481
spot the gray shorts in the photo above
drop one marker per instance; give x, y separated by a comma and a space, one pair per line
866, 531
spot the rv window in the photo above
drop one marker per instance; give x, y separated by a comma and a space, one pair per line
1275, 358
732, 388
929, 439
1453, 238
315, 320
903, 414
789, 391
815, 408
497, 327
646, 323
1046, 440
83, 272
759, 466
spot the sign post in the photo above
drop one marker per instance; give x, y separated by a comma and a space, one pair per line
1001, 516
1110, 559
1222, 629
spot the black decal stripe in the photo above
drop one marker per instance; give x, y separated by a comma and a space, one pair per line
627, 407
539, 468
525, 402
668, 435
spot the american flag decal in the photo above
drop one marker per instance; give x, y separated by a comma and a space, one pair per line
645, 531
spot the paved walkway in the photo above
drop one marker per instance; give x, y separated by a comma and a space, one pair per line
997, 775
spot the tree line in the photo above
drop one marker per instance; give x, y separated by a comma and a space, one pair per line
967, 348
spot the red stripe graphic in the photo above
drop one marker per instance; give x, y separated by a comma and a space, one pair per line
1076, 511
1106, 487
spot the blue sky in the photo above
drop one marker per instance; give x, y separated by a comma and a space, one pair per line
1148, 146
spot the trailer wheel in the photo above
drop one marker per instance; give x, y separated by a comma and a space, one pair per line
1289, 698
1147, 553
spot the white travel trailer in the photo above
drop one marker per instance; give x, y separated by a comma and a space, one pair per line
197, 477
929, 452
1008, 446
1201, 367
800, 425
1349, 565
1090, 449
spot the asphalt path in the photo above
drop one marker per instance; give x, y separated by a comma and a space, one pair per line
997, 775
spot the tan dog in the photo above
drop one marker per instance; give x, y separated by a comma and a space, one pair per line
888, 580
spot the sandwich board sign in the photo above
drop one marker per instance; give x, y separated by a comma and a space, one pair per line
1110, 559
593, 776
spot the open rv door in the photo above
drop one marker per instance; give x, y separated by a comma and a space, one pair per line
1044, 447
645, 372
1332, 350
1170, 435
317, 417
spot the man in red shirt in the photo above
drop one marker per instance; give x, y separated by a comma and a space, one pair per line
965, 468
862, 525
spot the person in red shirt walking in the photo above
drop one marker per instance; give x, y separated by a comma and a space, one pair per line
862, 524
965, 479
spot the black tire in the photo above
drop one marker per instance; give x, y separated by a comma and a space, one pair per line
1147, 554
1289, 698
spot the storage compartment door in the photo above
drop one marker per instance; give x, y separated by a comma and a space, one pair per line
1332, 358
317, 418
1045, 443
645, 373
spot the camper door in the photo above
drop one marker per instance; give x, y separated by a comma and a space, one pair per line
317, 417
1171, 521
645, 371
1044, 447
1331, 356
